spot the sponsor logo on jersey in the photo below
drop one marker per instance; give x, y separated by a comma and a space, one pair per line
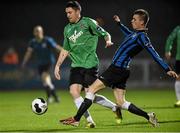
75, 36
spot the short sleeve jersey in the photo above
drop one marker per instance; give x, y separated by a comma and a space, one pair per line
43, 50
81, 39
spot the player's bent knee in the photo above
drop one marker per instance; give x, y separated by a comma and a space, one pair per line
74, 93
120, 102
44, 75
125, 105
178, 77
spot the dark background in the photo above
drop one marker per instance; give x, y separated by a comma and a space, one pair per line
17, 19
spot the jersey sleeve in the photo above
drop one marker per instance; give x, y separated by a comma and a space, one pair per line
170, 39
145, 42
52, 42
96, 29
125, 30
66, 42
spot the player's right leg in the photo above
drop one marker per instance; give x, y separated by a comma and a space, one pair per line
74, 121
76, 81
103, 101
47, 82
75, 90
41, 70
44, 71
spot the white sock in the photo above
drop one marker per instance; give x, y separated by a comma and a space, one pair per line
101, 100
125, 105
49, 83
177, 90
78, 101
90, 96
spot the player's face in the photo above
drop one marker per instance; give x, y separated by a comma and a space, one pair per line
137, 22
38, 32
72, 14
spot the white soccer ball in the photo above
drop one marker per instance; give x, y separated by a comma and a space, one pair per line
39, 106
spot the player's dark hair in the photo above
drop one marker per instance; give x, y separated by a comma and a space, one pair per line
73, 4
143, 14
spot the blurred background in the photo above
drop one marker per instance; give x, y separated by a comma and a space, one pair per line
18, 18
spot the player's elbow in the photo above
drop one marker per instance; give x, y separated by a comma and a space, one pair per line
65, 52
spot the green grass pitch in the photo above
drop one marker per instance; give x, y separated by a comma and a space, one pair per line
16, 114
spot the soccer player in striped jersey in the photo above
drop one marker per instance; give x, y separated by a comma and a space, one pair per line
118, 72
42, 46
80, 43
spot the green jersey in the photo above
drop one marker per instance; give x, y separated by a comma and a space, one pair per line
174, 35
81, 39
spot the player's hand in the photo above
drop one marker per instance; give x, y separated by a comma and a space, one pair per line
116, 18
108, 44
168, 55
172, 74
57, 72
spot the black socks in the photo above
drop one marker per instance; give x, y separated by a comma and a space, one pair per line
135, 110
83, 108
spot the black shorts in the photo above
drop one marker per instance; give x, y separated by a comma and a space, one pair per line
83, 76
177, 66
44, 68
115, 77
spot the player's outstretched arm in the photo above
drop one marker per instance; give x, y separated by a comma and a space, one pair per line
116, 18
124, 29
62, 56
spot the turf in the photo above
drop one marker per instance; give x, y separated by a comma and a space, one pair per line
16, 114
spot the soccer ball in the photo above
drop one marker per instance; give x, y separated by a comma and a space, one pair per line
39, 106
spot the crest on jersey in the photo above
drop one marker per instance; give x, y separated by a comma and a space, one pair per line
134, 35
81, 26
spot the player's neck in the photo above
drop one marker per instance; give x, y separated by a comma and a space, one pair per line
78, 19
141, 29
39, 39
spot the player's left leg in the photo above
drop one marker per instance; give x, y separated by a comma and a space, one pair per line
177, 84
46, 79
177, 91
119, 95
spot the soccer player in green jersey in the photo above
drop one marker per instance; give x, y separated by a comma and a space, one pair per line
80, 43
175, 34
